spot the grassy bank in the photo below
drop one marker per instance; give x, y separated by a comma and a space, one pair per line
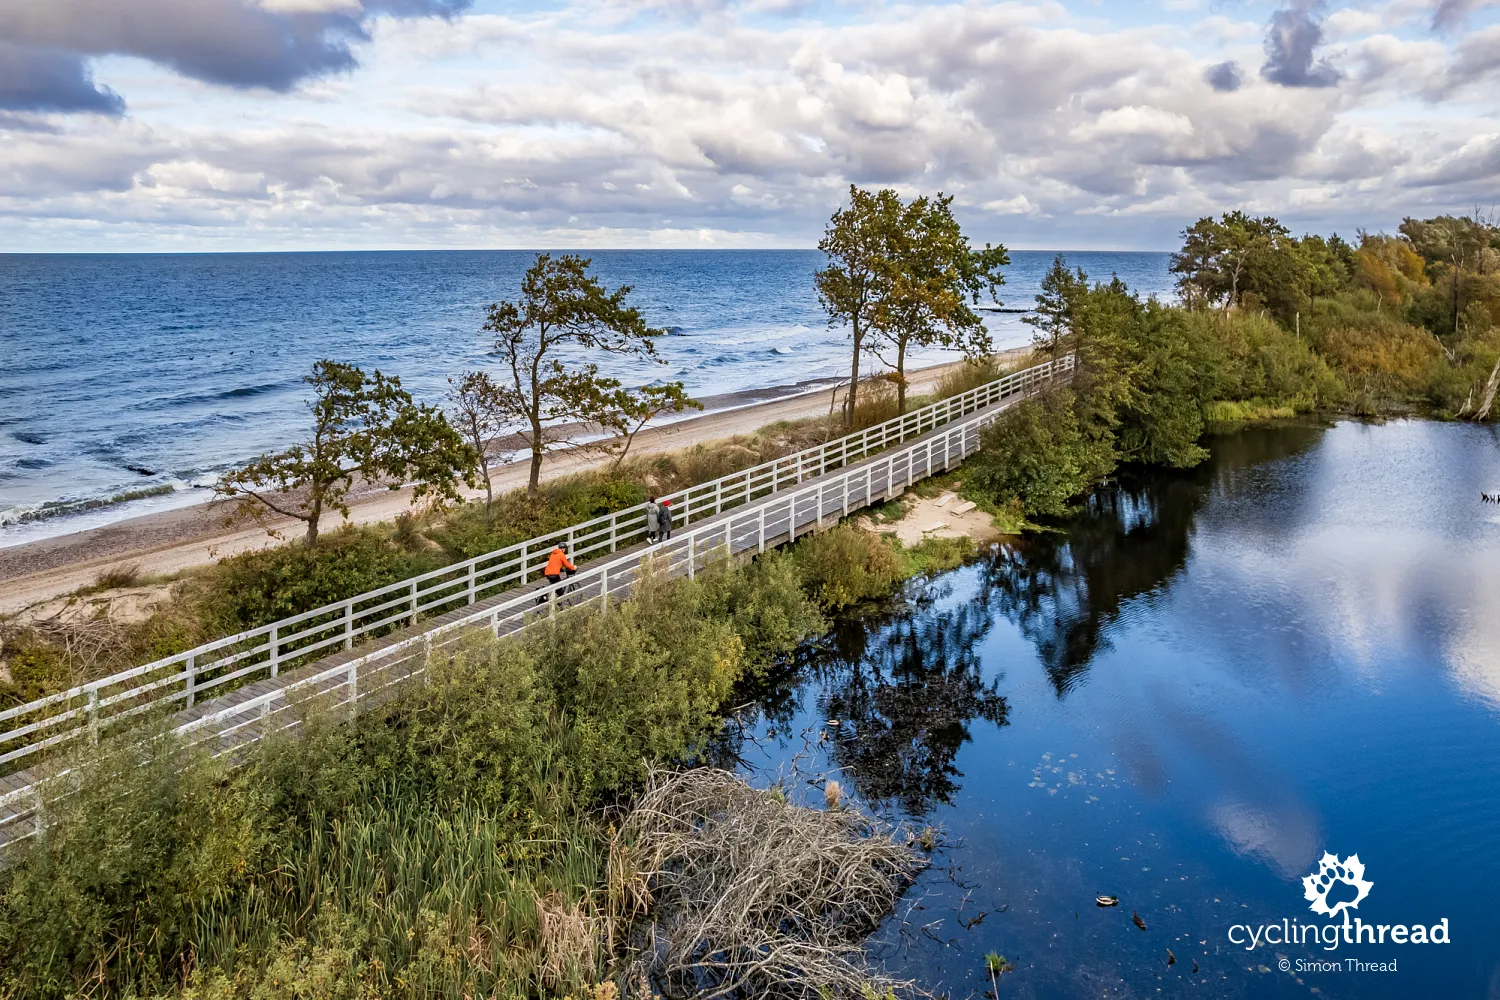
245, 591
456, 843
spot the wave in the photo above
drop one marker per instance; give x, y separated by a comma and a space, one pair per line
213, 396
30, 513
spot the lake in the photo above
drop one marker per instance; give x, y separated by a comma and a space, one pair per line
1184, 699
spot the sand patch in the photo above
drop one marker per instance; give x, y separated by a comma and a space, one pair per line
944, 516
121, 606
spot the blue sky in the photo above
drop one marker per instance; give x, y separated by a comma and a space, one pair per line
325, 124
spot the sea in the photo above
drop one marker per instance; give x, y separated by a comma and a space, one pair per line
128, 382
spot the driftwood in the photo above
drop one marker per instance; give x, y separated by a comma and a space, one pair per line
749, 894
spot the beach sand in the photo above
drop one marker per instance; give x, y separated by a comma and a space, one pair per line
172, 541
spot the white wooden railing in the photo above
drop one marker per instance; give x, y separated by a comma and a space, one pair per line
185, 680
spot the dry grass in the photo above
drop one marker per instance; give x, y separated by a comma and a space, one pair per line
570, 937
751, 894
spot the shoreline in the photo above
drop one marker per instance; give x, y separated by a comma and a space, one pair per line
164, 543
92, 514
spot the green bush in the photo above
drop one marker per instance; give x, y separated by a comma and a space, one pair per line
844, 565
1039, 456
35, 671
259, 587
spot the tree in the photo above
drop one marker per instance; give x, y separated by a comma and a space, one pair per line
858, 242
933, 280
563, 312
1222, 260
364, 426
1055, 306
637, 409
1456, 244
479, 413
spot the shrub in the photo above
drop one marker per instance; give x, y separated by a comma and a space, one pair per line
260, 587
766, 605
844, 565
1039, 456
35, 671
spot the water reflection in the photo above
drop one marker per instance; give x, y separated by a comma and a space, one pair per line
1065, 590
906, 688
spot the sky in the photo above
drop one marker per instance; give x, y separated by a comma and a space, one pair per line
188, 125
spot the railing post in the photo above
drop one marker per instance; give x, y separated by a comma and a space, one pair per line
192, 678
413, 603
349, 625
819, 509
692, 555
760, 539
353, 688
614, 532
604, 590
718, 496
471, 581
275, 650
94, 716
523, 563
846, 495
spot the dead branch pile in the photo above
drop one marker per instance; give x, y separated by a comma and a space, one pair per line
749, 893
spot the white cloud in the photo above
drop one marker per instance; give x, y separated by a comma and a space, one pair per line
491, 129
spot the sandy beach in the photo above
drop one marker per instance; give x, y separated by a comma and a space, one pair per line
169, 542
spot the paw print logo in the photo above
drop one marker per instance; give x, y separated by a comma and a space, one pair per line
1332, 873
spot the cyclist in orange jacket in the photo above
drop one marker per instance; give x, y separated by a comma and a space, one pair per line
558, 564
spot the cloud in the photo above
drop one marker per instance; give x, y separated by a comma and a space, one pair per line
1449, 15
238, 43
1224, 77
544, 128
51, 80
1291, 38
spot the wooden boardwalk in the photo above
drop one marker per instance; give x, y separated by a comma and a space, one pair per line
360, 675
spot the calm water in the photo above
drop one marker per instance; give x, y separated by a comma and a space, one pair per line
124, 372
1184, 700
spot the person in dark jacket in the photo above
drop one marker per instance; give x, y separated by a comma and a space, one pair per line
664, 521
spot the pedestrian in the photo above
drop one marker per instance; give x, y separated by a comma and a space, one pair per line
664, 521
653, 517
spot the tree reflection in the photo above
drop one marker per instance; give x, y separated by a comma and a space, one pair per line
905, 688
1065, 590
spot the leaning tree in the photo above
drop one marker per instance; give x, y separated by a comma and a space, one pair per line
366, 428
543, 340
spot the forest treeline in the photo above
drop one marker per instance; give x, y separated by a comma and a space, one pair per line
1266, 325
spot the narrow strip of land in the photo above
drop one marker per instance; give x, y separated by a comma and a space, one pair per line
172, 541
